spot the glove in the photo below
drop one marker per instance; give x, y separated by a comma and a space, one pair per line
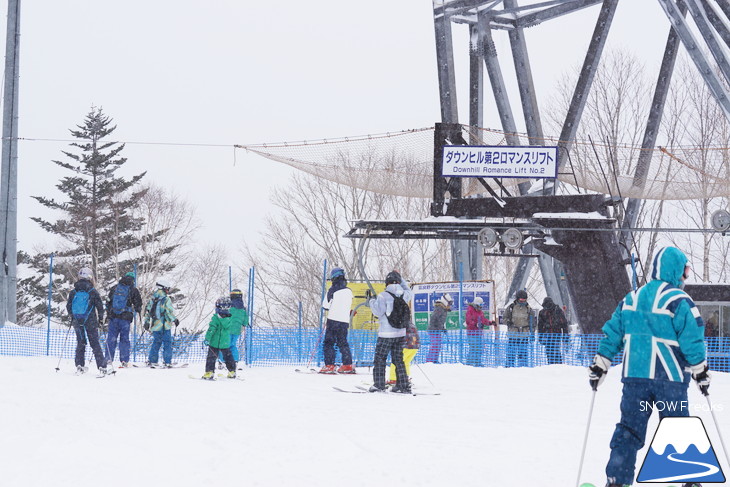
368, 294
701, 375
598, 371
177, 322
146, 326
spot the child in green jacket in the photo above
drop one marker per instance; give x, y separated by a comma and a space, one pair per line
218, 339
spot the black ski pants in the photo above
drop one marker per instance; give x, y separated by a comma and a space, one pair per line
213, 356
394, 347
92, 332
336, 334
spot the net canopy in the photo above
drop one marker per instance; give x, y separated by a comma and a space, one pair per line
401, 164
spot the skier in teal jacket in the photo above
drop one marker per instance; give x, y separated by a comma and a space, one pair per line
660, 331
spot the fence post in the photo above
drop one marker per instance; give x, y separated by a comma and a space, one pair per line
249, 334
134, 320
299, 336
461, 307
321, 309
50, 301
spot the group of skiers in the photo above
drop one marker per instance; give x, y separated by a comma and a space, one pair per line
657, 327
87, 311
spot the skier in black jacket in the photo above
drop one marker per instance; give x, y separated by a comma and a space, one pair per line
86, 310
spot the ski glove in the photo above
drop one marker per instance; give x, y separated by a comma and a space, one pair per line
701, 375
598, 371
177, 322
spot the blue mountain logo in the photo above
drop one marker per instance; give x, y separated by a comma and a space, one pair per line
681, 451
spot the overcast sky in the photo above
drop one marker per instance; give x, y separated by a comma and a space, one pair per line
237, 71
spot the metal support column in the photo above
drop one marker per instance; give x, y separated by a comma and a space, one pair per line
714, 83
585, 79
652, 128
9, 170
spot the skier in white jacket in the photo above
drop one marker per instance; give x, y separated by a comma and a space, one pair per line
390, 339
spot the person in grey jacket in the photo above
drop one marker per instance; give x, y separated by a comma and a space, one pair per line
436, 326
390, 339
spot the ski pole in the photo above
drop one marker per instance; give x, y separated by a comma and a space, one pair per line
717, 427
60, 354
585, 440
316, 346
424, 374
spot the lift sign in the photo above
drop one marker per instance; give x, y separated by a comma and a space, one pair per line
500, 161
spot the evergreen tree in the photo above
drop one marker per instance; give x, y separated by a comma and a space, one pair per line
97, 224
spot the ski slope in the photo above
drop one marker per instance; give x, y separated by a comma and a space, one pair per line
145, 427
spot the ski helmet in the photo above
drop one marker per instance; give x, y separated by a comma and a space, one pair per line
478, 302
163, 283
337, 272
130, 274
85, 273
223, 306
521, 294
236, 294
392, 278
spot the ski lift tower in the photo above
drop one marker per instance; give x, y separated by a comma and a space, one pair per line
585, 268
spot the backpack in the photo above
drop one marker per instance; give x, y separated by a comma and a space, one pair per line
155, 309
120, 299
401, 314
80, 305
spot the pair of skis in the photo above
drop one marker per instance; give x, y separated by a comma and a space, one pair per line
315, 371
216, 377
364, 390
98, 376
174, 366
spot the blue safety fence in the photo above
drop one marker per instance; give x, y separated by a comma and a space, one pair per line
302, 346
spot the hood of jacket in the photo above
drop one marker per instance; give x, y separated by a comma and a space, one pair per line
127, 281
83, 285
394, 289
668, 265
237, 303
159, 293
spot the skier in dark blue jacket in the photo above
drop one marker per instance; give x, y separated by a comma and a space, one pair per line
660, 331
123, 303
86, 310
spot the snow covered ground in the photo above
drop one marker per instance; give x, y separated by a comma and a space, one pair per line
145, 427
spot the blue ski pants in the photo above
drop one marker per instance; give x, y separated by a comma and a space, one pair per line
118, 328
162, 338
640, 398
234, 349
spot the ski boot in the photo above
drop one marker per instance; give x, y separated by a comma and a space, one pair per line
406, 389
80, 369
375, 388
168, 366
346, 369
208, 376
231, 374
124, 365
328, 369
103, 371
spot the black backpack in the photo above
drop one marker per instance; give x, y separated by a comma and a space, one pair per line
401, 314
